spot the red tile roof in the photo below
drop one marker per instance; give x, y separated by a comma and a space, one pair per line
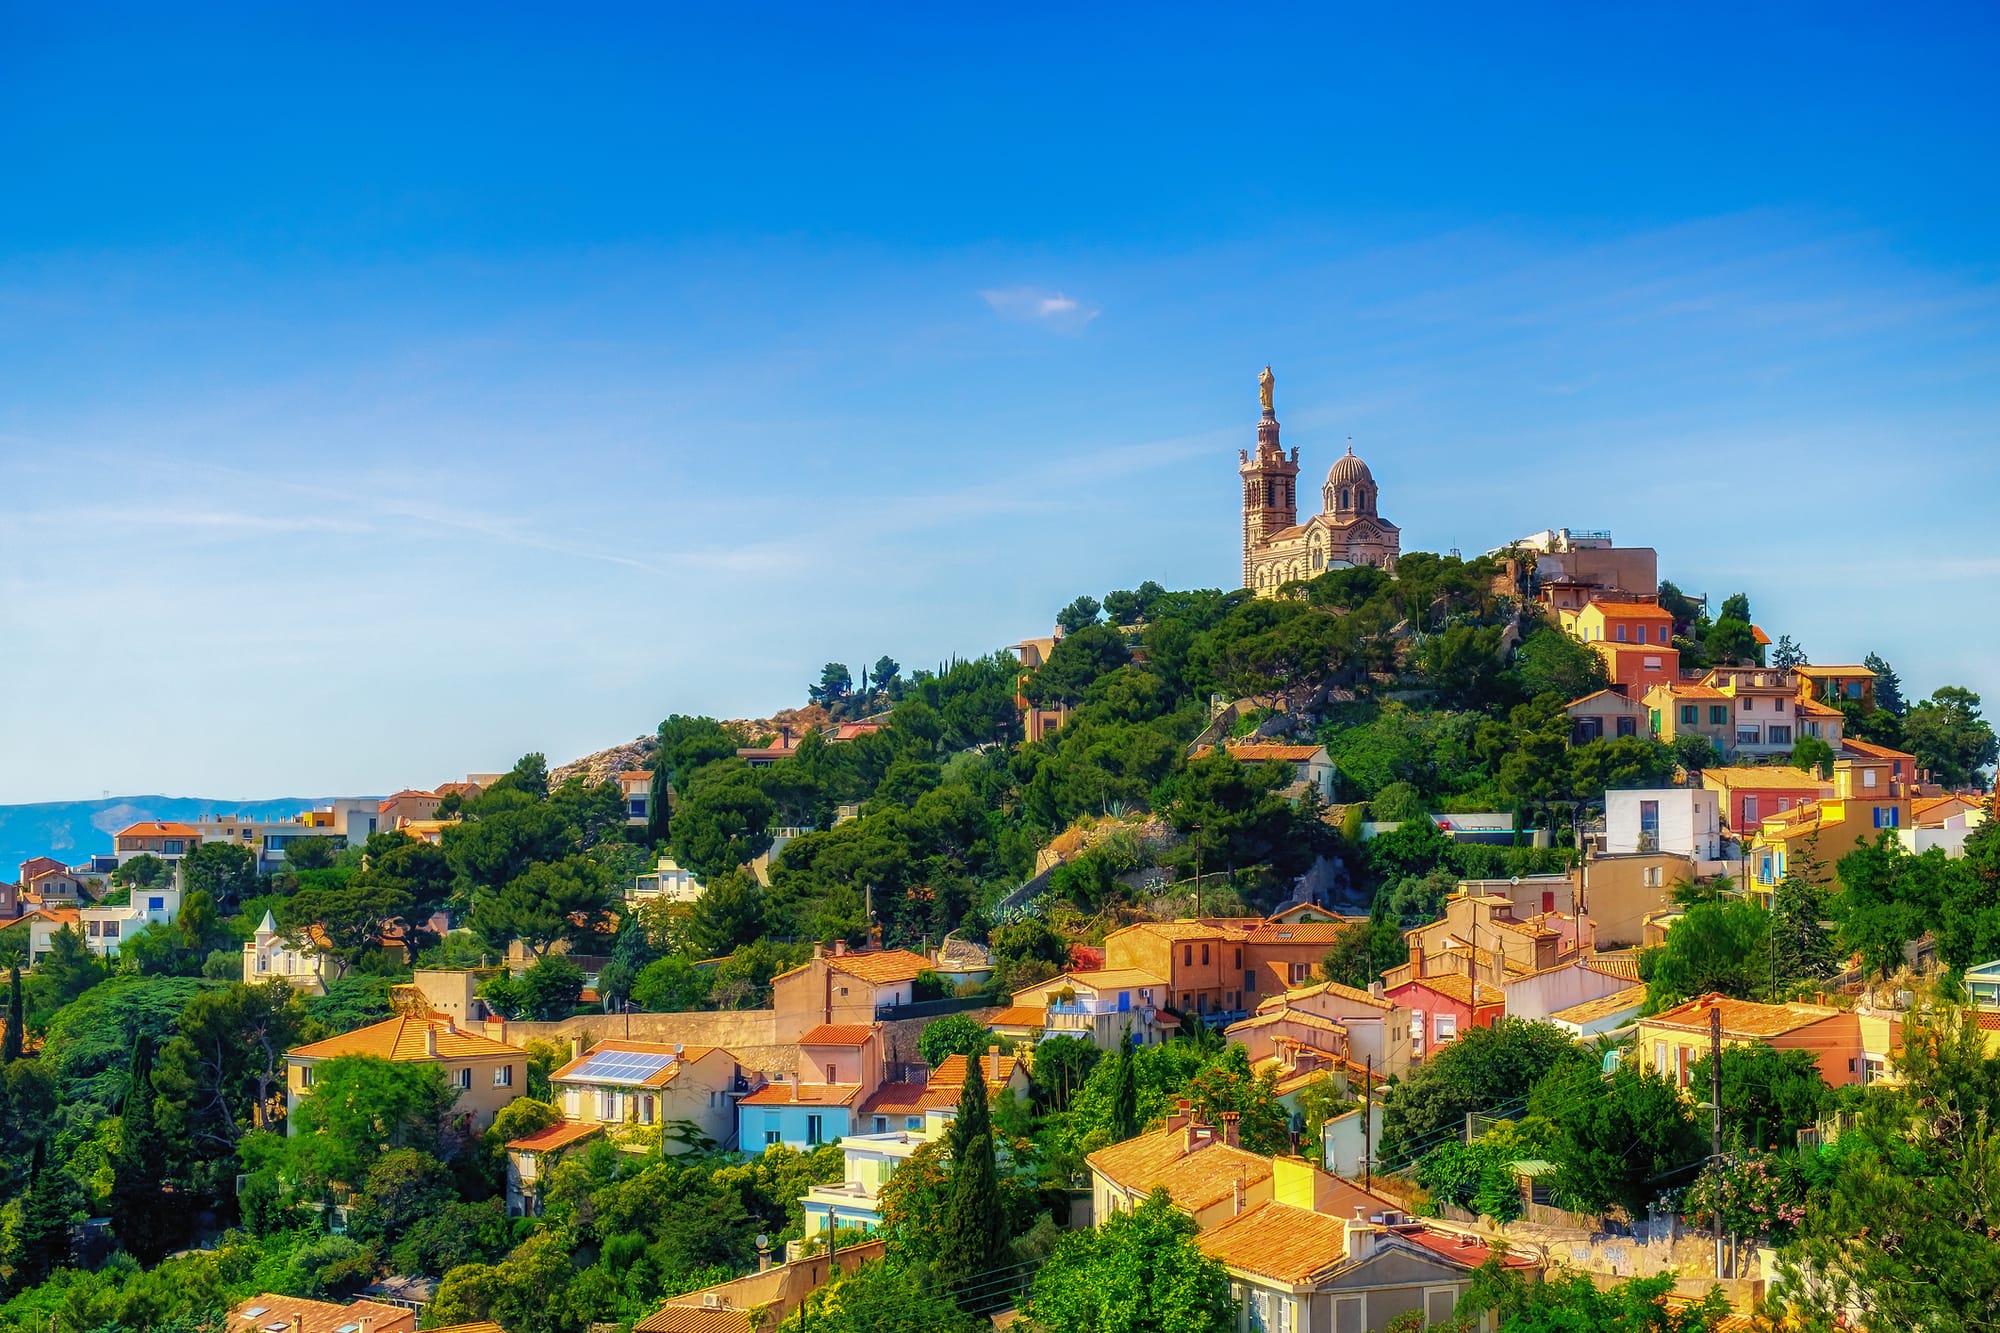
402, 1038
159, 828
838, 1034
555, 1136
809, 1094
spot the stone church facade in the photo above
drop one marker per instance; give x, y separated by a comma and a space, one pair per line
1348, 531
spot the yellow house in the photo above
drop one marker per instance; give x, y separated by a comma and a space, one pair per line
488, 1074
1862, 807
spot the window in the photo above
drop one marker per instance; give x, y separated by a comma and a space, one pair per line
1187, 955
1204, 954
1653, 874
465, 1077
1780, 735
913, 1122
1659, 1057
829, 1075
1124, 1002
156, 904
770, 1137
1747, 735
1867, 777
1749, 810
1718, 715
1301, 972
636, 807
1628, 726
1664, 633
1649, 818
1239, 956
1447, 1026
503, 1077
881, 1124
172, 847
1886, 816
1690, 714
305, 1076
1652, 664
815, 1129
1621, 634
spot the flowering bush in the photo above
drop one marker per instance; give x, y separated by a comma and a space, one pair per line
1750, 1194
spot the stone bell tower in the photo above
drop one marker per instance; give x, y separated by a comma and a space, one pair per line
1270, 480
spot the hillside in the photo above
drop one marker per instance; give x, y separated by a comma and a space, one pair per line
73, 830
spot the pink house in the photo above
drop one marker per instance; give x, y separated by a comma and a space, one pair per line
1443, 1006
840, 1054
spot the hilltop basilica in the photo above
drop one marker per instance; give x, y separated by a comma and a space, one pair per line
1277, 548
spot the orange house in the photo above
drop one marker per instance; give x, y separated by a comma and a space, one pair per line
1639, 623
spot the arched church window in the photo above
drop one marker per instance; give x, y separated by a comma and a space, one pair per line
1344, 501
1268, 500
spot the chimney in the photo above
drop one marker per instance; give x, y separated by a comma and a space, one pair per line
431, 1040
1229, 1120
1375, 988
1416, 958
995, 1080
576, 1047
784, 742
367, 1323
819, 950
496, 1028
839, 948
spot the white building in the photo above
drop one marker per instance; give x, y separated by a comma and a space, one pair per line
266, 955
344, 823
1685, 821
668, 881
105, 928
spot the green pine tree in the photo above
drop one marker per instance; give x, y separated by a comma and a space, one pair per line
53, 1204
975, 1231
10, 1047
141, 1212
1124, 1092
975, 1114
1803, 949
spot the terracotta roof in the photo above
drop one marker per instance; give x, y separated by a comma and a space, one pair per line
1630, 610
1161, 1159
1262, 753
1844, 672
1934, 808
1612, 695
559, 1135
159, 828
411, 792
1334, 988
809, 1094
402, 1038
1814, 708
1124, 978
1759, 635
951, 1074
895, 1098
1297, 932
298, 1315
694, 1319
1603, 1006
1459, 1249
1186, 930
1613, 964
1278, 1240
1460, 988
1305, 1018
1742, 1018
1020, 1016
881, 965
638, 774
838, 1034
1872, 751
1765, 777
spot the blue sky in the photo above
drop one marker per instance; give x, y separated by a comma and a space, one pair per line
383, 395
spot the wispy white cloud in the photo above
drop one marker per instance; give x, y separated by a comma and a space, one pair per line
1055, 310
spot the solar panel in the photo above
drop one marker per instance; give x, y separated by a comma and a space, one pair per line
622, 1067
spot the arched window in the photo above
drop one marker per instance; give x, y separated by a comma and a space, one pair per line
1344, 501
1268, 500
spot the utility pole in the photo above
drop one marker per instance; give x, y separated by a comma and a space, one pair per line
1197, 871
1715, 1111
1367, 1119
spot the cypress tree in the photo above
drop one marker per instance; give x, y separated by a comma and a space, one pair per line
48, 1210
975, 1116
975, 1231
1124, 1092
140, 1211
10, 1050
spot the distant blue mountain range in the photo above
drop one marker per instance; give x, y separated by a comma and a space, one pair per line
70, 831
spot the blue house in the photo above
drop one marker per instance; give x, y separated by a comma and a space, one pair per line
799, 1115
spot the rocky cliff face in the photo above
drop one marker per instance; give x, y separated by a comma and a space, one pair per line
639, 752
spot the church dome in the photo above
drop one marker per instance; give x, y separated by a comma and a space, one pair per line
1347, 470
